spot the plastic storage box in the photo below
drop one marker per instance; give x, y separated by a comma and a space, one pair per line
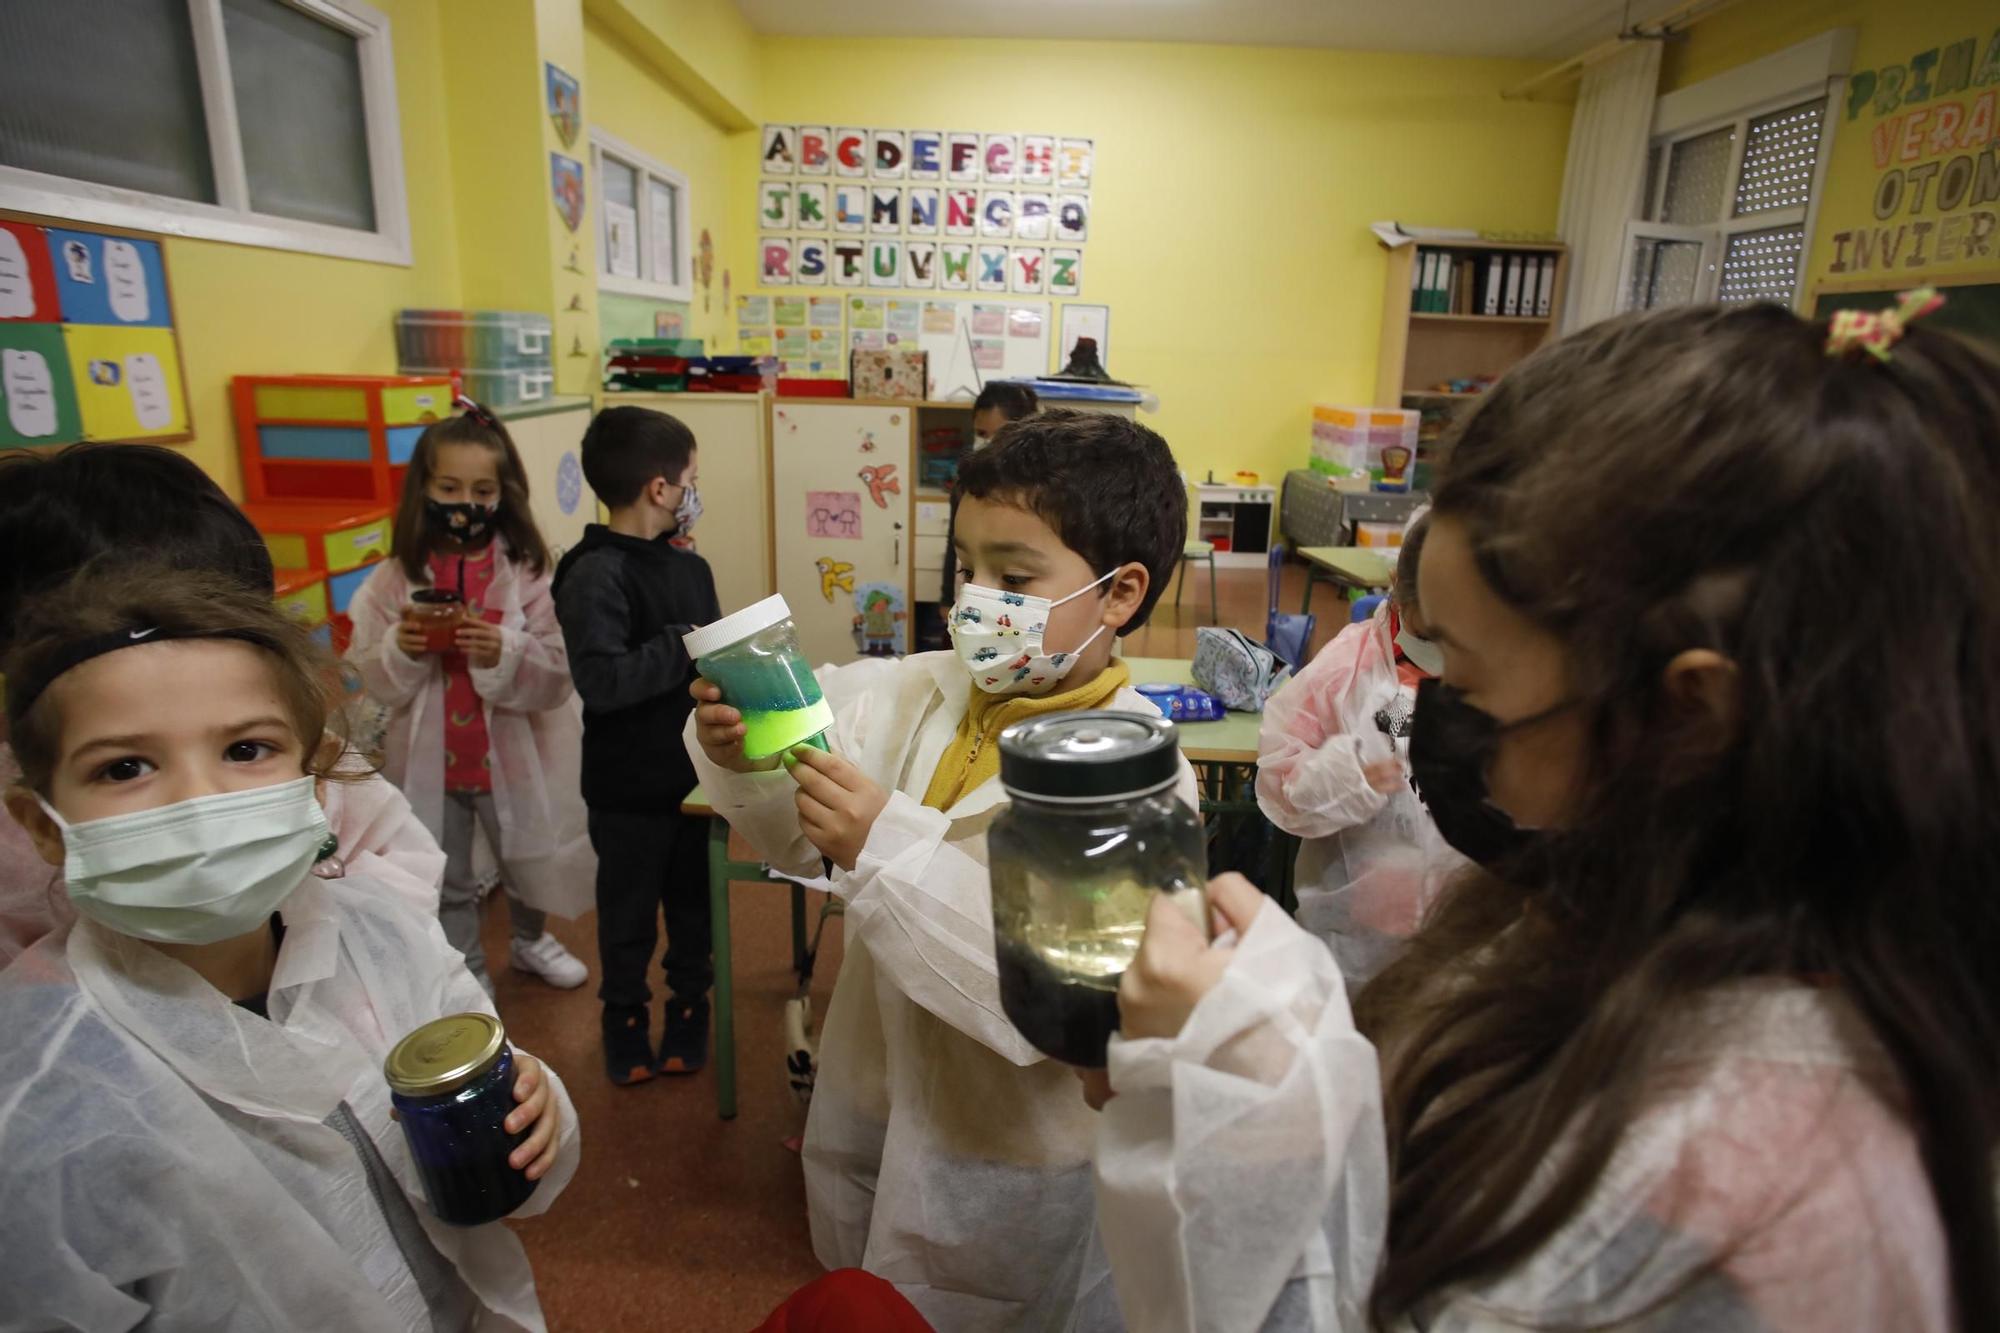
1351, 439
473, 339
332, 438
498, 389
325, 538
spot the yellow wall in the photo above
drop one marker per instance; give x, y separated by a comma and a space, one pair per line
242, 310
1233, 190
1887, 32
630, 99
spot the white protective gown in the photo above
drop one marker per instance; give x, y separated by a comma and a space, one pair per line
175, 1162
1370, 862
1770, 1187
942, 1152
534, 725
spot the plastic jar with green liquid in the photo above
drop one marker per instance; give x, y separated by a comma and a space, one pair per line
753, 656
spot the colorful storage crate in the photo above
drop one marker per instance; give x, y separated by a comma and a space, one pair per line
473, 340
1351, 439
302, 595
327, 538
332, 438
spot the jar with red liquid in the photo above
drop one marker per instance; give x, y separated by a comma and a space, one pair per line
438, 612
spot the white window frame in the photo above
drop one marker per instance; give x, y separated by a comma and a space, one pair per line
1816, 67
231, 218
681, 285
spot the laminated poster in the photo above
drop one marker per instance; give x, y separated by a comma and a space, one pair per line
905, 317
940, 317
788, 311
794, 347
989, 321
826, 312
755, 342
1024, 322
753, 310
989, 353
866, 312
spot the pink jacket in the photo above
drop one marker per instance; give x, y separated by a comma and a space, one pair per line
379, 840
1370, 862
533, 721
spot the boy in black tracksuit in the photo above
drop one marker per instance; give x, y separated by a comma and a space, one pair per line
625, 596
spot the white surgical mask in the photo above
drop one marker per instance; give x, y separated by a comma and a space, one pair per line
1422, 654
998, 636
196, 871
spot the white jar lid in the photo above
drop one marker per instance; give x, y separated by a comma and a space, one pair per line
737, 626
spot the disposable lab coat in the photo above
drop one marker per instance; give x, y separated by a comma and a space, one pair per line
942, 1151
1770, 1185
1370, 862
533, 724
175, 1161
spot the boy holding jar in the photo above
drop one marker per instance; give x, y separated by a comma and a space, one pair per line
942, 1151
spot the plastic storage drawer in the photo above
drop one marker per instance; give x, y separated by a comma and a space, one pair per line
325, 537
301, 593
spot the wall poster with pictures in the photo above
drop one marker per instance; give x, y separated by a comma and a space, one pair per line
88, 349
923, 209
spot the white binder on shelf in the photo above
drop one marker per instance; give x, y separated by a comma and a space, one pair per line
1545, 297
1511, 305
1495, 276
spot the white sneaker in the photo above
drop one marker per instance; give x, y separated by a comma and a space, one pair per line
547, 959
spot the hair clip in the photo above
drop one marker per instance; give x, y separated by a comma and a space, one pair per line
464, 403
1877, 331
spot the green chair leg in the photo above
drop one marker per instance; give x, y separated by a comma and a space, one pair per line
725, 993
1179, 583
1214, 605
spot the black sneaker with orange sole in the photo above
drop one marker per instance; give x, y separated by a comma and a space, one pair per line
628, 1044
684, 1044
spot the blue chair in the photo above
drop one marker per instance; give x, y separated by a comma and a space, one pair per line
1364, 607
1289, 636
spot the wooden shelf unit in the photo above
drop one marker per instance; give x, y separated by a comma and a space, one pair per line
1423, 348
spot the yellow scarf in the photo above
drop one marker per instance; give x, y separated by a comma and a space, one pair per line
974, 753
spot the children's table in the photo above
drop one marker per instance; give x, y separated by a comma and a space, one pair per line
1349, 566
731, 859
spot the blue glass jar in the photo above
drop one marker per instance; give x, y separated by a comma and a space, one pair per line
452, 1082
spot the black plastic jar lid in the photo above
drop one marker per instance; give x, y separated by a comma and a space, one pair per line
1089, 755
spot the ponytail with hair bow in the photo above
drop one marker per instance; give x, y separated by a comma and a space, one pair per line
465, 403
1877, 331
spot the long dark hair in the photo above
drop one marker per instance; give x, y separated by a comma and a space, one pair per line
416, 542
1713, 478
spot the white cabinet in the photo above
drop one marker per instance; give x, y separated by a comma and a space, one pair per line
841, 492
549, 437
734, 534
1237, 519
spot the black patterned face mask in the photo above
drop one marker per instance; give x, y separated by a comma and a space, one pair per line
1452, 744
461, 521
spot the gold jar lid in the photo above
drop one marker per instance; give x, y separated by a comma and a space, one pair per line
444, 1054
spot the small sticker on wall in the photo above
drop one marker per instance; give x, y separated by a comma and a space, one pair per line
834, 576
76, 257
566, 185
880, 614
565, 103
569, 482
881, 483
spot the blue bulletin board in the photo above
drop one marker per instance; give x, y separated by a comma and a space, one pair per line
88, 349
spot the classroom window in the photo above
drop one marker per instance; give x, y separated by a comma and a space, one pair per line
642, 223
261, 122
1726, 209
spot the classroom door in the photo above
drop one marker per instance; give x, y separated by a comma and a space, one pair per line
841, 493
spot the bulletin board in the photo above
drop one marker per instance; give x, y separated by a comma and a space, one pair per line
88, 349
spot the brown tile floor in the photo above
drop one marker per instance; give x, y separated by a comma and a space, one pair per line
679, 1221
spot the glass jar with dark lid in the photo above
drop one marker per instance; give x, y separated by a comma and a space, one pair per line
438, 612
452, 1081
1093, 832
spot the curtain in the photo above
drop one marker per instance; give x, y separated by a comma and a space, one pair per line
1605, 172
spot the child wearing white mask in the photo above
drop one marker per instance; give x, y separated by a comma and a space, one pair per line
1332, 770
197, 1128
942, 1151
